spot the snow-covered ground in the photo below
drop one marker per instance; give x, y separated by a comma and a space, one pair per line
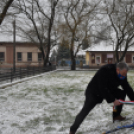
49, 104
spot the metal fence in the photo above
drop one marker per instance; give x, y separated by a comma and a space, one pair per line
8, 75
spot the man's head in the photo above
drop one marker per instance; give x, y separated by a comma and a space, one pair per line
121, 69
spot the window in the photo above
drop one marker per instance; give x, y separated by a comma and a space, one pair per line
93, 58
98, 60
39, 57
128, 58
29, 56
2, 56
19, 56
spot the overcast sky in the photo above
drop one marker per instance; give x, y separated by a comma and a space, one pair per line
9, 37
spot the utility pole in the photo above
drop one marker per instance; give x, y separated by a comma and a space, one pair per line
14, 44
120, 51
55, 44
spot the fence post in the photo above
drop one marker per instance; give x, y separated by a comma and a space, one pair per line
27, 71
20, 72
38, 70
11, 75
33, 70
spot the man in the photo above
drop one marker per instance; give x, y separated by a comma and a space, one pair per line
104, 85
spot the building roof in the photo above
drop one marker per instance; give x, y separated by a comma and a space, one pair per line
102, 47
81, 52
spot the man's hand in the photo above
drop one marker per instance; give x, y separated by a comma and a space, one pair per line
117, 103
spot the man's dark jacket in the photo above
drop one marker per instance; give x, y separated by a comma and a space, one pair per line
105, 83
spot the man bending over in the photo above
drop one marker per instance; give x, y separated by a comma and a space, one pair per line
104, 85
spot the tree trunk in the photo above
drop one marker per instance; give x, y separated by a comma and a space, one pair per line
116, 52
120, 59
49, 43
124, 53
49, 31
73, 65
117, 56
44, 62
43, 54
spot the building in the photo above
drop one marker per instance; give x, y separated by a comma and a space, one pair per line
26, 54
101, 55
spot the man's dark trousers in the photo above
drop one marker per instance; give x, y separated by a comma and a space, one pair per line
119, 94
90, 103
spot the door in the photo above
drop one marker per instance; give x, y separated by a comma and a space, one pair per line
110, 60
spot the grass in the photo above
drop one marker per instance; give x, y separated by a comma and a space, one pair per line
49, 104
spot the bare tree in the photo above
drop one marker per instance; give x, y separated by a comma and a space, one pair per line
121, 16
6, 6
38, 23
77, 14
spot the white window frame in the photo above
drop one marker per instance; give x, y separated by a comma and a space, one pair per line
96, 59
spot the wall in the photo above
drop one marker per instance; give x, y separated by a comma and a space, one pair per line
88, 58
20, 47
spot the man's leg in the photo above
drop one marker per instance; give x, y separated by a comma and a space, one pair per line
119, 94
89, 104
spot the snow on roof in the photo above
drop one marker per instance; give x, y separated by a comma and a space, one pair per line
81, 52
97, 47
103, 47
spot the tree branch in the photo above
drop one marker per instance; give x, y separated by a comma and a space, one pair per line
41, 10
5, 9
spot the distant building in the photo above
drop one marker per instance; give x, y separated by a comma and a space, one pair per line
27, 54
98, 56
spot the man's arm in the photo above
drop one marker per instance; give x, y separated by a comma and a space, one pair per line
128, 89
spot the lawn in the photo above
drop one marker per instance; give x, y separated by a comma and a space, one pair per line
49, 104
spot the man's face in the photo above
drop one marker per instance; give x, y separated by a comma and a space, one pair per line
122, 72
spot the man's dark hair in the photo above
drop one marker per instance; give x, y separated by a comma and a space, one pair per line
122, 65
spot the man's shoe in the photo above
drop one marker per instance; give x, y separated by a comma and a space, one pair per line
118, 118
